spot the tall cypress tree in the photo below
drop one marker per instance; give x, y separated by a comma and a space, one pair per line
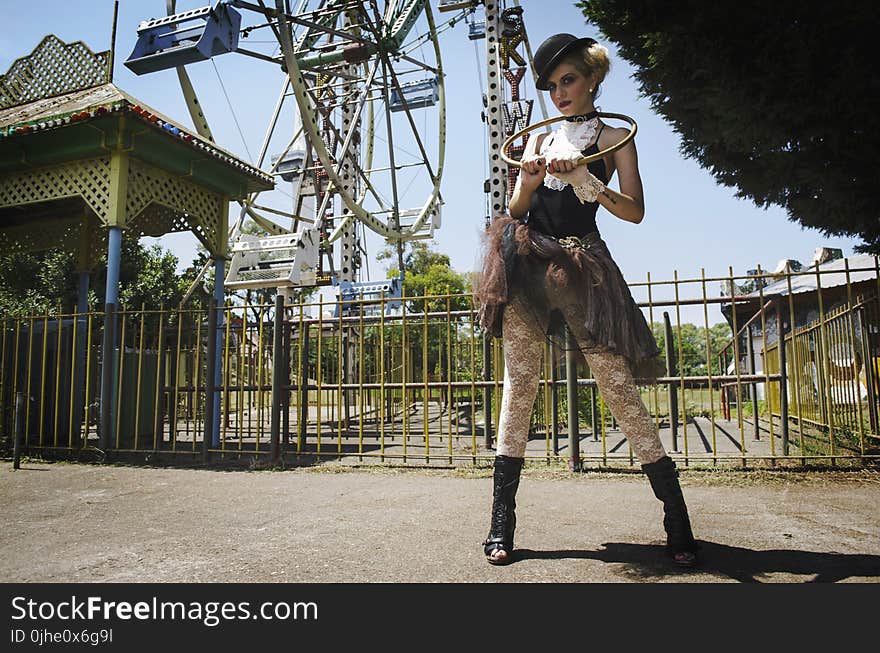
779, 100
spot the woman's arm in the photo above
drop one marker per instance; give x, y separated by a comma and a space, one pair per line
629, 203
531, 175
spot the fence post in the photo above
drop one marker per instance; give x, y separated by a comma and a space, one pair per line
750, 350
108, 348
285, 395
783, 376
210, 381
554, 400
574, 461
725, 403
594, 412
18, 430
672, 390
868, 366
303, 384
277, 371
79, 374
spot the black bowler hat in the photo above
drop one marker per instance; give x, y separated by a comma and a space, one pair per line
552, 51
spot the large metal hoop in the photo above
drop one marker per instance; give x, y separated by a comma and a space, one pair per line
584, 159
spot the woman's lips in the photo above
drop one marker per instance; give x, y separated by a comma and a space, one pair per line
564, 103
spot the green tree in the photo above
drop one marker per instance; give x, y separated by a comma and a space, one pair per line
36, 284
692, 352
776, 99
426, 273
33, 283
149, 277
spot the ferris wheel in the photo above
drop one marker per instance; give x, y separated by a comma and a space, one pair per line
368, 143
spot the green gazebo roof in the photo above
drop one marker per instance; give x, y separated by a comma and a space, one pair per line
88, 123
74, 149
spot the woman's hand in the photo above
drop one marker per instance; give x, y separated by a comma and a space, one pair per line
562, 162
578, 176
585, 184
533, 169
532, 172
564, 166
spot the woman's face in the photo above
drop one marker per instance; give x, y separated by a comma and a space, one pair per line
570, 90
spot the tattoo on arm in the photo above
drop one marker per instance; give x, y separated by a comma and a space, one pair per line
611, 199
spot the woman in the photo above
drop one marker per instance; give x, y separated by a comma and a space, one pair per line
545, 265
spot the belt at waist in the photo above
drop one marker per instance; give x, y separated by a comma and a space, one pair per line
547, 246
543, 245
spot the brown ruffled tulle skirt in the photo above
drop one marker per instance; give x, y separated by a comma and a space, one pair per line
580, 287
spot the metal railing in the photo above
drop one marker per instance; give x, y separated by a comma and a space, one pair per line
422, 385
833, 381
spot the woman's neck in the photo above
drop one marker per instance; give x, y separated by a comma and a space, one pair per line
583, 117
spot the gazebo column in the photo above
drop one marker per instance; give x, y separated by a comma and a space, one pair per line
108, 347
114, 257
82, 299
219, 278
79, 346
219, 297
115, 224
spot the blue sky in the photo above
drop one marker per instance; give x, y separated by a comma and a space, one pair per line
691, 222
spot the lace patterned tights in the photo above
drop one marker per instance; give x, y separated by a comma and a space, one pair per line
523, 346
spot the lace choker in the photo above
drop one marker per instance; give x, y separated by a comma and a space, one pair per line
584, 117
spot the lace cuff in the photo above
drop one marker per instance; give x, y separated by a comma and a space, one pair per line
589, 191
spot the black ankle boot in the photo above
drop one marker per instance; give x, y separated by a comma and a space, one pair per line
507, 471
679, 539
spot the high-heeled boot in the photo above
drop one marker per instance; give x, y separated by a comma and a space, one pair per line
506, 482
680, 541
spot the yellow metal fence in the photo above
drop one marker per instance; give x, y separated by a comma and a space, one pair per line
833, 373
361, 382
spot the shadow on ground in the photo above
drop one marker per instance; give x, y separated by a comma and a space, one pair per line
647, 562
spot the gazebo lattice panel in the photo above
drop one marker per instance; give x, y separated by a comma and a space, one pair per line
156, 202
89, 179
184, 205
53, 68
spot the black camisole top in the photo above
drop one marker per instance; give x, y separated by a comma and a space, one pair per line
559, 212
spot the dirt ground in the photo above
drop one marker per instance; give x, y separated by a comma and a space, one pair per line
67, 522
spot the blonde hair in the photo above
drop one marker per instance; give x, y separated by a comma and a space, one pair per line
592, 59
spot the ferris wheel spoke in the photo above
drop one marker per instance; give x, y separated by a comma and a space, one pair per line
394, 78
189, 94
434, 197
309, 109
329, 86
358, 110
272, 25
264, 148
